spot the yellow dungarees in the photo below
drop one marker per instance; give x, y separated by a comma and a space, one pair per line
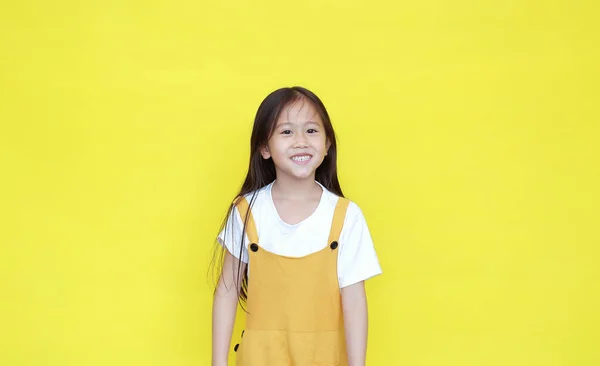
294, 304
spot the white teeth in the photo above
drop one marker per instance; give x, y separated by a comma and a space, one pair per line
301, 158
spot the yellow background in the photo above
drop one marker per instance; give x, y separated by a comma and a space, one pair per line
468, 135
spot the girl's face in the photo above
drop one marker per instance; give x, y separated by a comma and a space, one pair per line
299, 143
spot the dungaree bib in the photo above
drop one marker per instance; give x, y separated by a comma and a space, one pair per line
294, 304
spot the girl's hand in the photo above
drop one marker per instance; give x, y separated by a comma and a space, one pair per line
224, 309
354, 303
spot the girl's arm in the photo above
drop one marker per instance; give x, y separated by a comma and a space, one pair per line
354, 303
224, 309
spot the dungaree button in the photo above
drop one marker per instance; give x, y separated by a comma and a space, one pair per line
333, 245
236, 347
254, 247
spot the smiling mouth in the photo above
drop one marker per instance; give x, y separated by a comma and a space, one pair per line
301, 159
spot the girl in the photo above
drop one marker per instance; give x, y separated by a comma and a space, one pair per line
296, 252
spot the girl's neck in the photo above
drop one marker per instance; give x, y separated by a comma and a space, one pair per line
293, 189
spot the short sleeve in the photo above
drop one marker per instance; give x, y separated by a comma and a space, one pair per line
357, 258
231, 236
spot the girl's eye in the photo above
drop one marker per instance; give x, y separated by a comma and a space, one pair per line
312, 130
286, 132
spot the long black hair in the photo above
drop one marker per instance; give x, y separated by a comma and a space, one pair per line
261, 171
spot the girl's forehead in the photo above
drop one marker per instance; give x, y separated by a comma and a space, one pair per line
299, 111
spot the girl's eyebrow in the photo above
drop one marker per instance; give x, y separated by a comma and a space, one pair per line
305, 123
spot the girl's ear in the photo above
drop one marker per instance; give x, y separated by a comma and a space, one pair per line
264, 151
328, 146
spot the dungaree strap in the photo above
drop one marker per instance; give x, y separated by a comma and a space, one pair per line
244, 208
339, 215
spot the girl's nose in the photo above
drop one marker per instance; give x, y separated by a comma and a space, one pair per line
300, 140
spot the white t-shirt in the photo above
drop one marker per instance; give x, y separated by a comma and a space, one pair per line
357, 260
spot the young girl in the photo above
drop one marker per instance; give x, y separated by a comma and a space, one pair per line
296, 252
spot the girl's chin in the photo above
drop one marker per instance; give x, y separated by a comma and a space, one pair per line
295, 175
